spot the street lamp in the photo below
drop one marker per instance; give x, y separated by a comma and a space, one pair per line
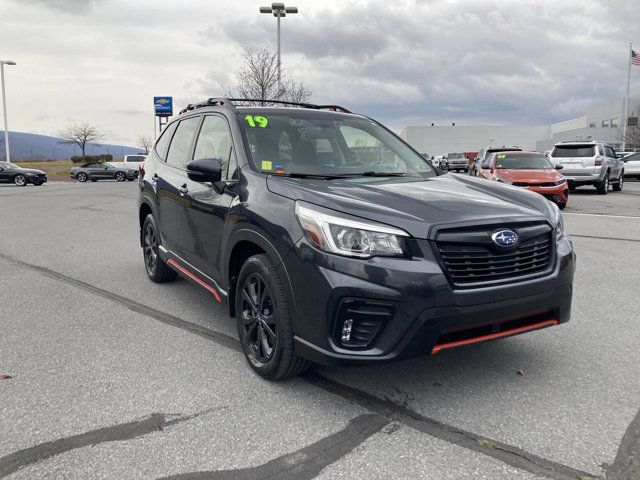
279, 11
4, 107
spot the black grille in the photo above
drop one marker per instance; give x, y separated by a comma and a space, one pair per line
482, 263
526, 184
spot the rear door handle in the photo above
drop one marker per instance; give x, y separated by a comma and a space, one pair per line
183, 188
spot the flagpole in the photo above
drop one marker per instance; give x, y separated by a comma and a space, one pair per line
626, 100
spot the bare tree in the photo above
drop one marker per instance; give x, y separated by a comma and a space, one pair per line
632, 136
145, 142
81, 135
259, 79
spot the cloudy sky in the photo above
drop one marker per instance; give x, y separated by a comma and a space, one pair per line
404, 62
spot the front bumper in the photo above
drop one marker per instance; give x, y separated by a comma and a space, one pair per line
427, 311
558, 194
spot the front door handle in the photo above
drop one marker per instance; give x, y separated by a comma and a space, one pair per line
154, 178
183, 188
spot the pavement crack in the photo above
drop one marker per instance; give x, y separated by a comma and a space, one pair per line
626, 465
166, 318
508, 454
13, 462
306, 463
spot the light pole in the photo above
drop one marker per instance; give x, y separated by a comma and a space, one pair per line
4, 107
279, 11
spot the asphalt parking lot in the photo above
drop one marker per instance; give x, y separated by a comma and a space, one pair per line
116, 377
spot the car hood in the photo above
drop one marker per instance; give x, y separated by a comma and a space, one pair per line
519, 175
416, 206
31, 170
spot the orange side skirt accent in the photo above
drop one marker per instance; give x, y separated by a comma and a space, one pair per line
193, 277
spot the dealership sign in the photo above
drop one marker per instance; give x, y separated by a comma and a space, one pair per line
163, 106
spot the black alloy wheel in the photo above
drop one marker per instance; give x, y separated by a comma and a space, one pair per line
156, 268
150, 249
258, 316
264, 320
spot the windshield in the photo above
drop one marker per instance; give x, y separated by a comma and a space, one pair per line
7, 165
454, 155
327, 145
574, 151
135, 158
506, 161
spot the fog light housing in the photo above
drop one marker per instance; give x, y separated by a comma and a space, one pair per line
346, 330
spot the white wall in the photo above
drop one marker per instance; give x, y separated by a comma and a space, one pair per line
438, 140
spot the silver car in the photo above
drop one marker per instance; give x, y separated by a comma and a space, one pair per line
632, 165
589, 163
103, 171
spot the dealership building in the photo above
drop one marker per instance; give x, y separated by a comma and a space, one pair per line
602, 122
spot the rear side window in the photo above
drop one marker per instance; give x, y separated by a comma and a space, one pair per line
163, 142
178, 154
574, 151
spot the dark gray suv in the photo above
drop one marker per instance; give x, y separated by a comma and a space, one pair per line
332, 241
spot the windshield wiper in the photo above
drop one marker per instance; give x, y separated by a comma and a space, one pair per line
320, 176
371, 173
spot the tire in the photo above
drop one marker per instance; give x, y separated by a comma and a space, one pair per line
120, 176
20, 180
561, 206
572, 188
264, 323
603, 187
157, 270
37, 184
82, 177
617, 186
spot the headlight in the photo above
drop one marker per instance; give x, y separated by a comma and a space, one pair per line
560, 181
559, 222
348, 236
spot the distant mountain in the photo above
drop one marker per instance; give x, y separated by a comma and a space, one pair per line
30, 146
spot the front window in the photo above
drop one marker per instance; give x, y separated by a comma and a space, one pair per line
509, 161
565, 151
327, 144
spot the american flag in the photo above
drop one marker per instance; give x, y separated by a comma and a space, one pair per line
635, 58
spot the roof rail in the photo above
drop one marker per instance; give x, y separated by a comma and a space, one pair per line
229, 102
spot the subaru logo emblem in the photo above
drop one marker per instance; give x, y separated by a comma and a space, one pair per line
505, 238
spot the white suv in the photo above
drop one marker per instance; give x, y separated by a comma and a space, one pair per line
589, 163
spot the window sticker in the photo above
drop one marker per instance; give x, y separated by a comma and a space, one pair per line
257, 121
266, 165
502, 155
279, 168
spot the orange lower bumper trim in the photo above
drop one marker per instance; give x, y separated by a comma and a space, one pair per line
493, 336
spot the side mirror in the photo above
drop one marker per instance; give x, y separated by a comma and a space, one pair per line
206, 170
559, 167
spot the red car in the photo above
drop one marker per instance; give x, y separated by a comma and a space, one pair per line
531, 170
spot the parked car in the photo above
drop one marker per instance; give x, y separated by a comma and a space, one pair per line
531, 170
484, 153
103, 171
632, 165
589, 163
11, 173
133, 161
329, 253
456, 162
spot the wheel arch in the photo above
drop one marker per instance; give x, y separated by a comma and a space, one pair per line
244, 244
